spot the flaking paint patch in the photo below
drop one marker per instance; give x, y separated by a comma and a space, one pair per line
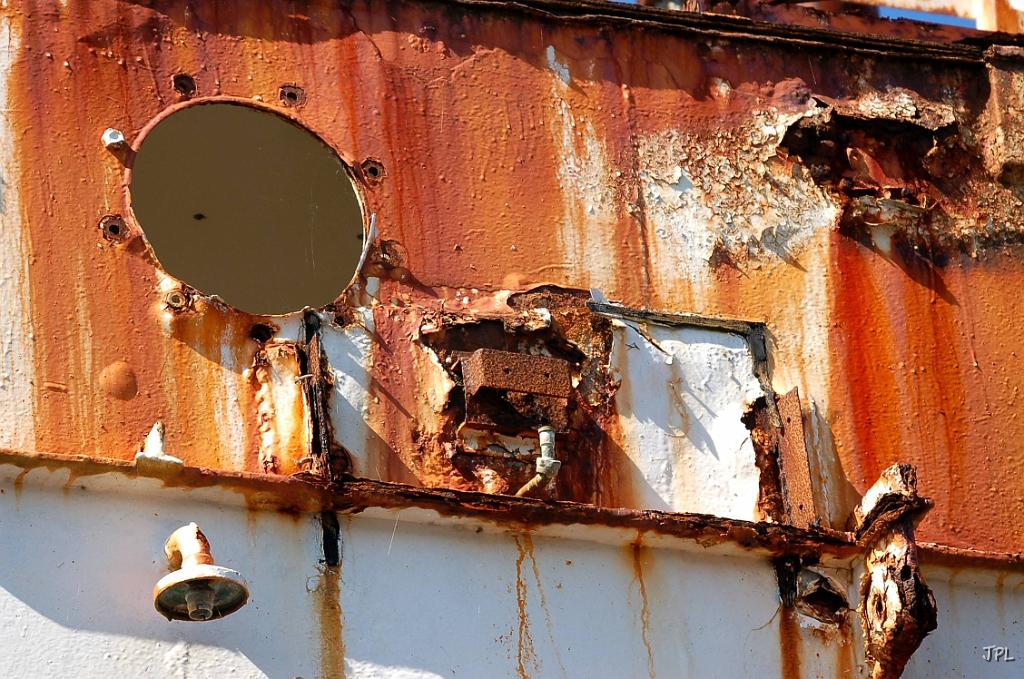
727, 188
282, 412
557, 66
231, 414
16, 331
590, 215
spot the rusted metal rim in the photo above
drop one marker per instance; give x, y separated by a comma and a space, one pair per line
738, 28
299, 494
290, 115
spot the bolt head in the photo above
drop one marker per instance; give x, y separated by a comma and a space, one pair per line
113, 139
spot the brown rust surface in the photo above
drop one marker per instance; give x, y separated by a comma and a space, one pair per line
516, 372
793, 462
302, 493
502, 172
765, 437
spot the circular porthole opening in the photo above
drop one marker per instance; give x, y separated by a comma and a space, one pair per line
243, 204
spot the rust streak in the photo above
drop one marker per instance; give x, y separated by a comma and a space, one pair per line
328, 593
528, 541
789, 643
331, 622
525, 652
19, 486
636, 553
845, 661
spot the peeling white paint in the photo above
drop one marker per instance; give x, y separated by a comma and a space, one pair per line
587, 231
349, 353
728, 191
557, 66
682, 395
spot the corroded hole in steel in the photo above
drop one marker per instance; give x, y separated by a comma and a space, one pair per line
114, 228
292, 95
184, 84
820, 597
373, 171
262, 333
241, 203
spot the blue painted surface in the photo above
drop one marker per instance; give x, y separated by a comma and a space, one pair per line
926, 17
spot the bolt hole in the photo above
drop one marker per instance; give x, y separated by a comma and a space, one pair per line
199, 216
906, 572
184, 84
292, 95
114, 228
373, 171
261, 332
176, 300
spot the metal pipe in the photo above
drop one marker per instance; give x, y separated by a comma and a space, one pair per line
547, 464
188, 547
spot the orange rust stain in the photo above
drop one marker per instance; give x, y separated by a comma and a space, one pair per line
397, 393
1000, 591
331, 620
19, 486
928, 374
614, 468
528, 544
845, 661
789, 643
525, 651
636, 550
